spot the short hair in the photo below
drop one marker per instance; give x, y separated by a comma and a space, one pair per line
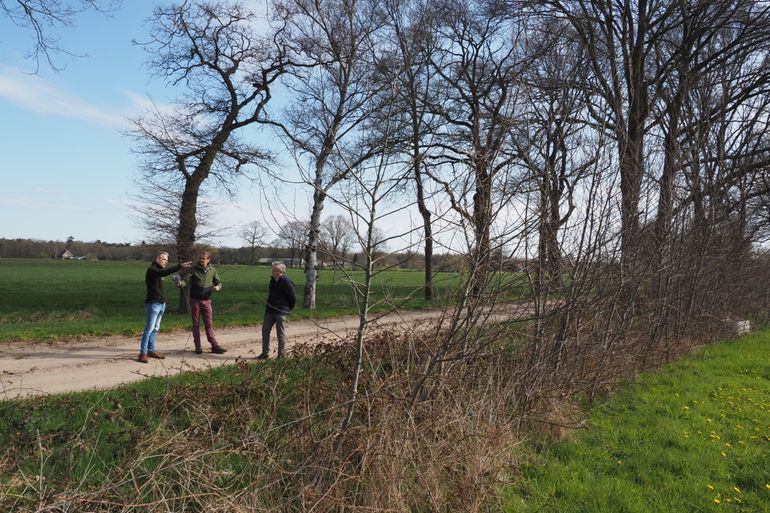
280, 266
204, 254
161, 253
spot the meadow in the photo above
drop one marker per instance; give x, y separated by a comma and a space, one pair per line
45, 300
692, 437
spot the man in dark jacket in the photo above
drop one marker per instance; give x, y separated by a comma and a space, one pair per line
280, 301
204, 281
155, 303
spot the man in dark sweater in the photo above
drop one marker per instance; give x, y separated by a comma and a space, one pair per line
155, 303
280, 301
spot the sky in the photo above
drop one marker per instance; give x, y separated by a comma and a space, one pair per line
66, 163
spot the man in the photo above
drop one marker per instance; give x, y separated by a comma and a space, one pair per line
155, 303
280, 301
204, 281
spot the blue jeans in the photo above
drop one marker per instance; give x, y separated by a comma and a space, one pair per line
154, 315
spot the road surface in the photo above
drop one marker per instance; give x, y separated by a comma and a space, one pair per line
34, 369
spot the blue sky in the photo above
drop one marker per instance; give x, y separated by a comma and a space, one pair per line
66, 164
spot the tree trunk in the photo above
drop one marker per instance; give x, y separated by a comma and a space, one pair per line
426, 223
481, 221
311, 250
188, 210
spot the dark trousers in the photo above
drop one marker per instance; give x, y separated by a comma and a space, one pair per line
279, 321
202, 307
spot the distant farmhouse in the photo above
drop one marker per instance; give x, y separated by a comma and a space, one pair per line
67, 255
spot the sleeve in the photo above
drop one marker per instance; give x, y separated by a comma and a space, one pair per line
156, 272
291, 295
216, 279
169, 270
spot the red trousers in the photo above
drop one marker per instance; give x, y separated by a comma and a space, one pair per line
198, 307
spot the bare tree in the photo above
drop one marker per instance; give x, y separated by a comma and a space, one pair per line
337, 237
155, 210
293, 235
45, 17
619, 39
558, 149
332, 38
412, 40
253, 234
479, 60
373, 184
225, 71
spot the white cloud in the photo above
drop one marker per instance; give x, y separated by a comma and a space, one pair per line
143, 104
35, 93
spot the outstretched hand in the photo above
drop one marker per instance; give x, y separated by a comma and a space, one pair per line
186, 265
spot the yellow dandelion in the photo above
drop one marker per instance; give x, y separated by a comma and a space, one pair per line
737, 489
723, 454
716, 500
767, 486
711, 487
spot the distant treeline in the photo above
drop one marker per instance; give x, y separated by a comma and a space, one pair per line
127, 251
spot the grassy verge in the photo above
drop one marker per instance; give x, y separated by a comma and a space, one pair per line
693, 437
129, 441
53, 300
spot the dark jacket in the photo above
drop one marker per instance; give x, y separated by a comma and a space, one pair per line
202, 281
281, 297
154, 281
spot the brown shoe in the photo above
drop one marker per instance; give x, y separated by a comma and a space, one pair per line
218, 350
142, 358
153, 354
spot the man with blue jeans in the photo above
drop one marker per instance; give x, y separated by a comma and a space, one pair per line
280, 301
155, 303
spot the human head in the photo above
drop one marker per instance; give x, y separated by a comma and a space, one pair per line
204, 258
162, 259
279, 269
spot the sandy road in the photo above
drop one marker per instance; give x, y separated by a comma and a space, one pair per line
34, 369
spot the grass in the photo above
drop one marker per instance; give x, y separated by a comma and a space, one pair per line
75, 442
54, 300
693, 437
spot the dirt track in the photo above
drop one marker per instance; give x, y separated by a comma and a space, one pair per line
31, 369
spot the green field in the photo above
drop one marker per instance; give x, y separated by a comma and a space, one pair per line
693, 437
53, 300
